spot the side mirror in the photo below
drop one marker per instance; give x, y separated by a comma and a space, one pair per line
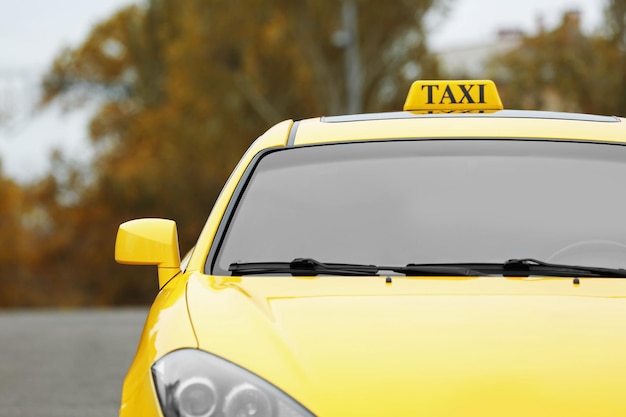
149, 242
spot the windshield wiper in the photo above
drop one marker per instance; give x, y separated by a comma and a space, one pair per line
301, 267
527, 267
312, 267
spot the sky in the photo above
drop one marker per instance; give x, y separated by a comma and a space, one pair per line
33, 32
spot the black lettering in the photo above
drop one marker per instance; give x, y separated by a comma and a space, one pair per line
430, 92
448, 95
466, 93
481, 93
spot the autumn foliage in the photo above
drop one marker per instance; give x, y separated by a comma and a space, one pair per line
184, 87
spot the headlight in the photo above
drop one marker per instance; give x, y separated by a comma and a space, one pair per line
194, 383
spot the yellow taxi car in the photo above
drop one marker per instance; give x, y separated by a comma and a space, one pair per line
451, 260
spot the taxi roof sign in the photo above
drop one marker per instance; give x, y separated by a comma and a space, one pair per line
458, 95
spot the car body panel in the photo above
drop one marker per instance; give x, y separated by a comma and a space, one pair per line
315, 131
167, 328
511, 345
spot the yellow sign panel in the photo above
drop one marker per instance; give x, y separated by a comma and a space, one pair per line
458, 95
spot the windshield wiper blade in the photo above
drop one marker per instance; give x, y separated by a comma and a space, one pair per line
301, 267
312, 267
528, 266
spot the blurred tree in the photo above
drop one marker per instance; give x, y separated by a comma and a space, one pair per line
11, 243
563, 70
615, 16
186, 86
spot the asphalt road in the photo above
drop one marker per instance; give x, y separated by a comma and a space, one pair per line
65, 363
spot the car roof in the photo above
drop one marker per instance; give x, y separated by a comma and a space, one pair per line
503, 124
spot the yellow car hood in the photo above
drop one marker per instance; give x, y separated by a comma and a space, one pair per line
357, 346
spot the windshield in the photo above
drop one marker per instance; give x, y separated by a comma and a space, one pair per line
433, 201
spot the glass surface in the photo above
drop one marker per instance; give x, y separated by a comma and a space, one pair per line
433, 201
